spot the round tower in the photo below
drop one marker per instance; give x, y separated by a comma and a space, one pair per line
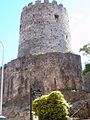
44, 27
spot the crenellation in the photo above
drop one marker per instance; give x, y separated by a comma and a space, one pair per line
46, 1
65, 11
54, 2
30, 4
25, 8
62, 10
60, 5
37, 2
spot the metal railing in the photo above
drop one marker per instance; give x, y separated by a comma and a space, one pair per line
82, 106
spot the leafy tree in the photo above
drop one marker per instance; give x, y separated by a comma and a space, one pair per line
51, 107
86, 69
85, 49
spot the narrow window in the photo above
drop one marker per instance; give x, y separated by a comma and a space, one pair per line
66, 36
56, 17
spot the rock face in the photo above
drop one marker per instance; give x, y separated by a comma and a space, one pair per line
86, 85
45, 72
44, 27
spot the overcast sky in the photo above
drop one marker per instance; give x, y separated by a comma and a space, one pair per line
10, 11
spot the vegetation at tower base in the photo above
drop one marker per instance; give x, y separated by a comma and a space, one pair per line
51, 107
70, 52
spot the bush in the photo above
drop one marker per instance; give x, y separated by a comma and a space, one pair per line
87, 68
51, 107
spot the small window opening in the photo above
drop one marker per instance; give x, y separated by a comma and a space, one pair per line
66, 36
56, 17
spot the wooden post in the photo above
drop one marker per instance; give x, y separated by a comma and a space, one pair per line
55, 84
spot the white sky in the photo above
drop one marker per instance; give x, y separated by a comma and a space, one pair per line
80, 29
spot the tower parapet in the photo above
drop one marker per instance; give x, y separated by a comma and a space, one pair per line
46, 1
54, 2
37, 2
44, 28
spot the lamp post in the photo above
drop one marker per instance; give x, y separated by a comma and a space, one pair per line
2, 77
31, 103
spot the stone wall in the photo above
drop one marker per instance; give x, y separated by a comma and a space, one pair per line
44, 72
44, 27
86, 81
48, 71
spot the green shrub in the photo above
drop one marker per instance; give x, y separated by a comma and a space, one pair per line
51, 107
87, 68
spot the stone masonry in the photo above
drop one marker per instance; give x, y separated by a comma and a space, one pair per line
44, 27
44, 72
86, 81
44, 60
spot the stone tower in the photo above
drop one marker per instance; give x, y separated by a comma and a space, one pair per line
44, 28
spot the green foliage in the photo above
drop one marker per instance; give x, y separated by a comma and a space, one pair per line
70, 52
85, 49
51, 107
87, 68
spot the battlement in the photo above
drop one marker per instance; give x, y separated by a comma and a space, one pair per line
46, 2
